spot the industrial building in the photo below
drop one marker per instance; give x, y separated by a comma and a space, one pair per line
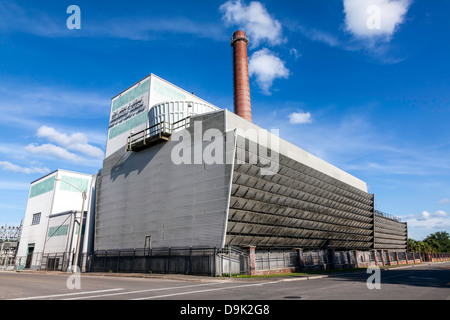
305, 203
9, 240
182, 173
50, 228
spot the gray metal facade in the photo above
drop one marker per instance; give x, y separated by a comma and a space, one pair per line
390, 234
143, 194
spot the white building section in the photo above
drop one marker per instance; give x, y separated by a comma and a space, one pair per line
52, 216
130, 110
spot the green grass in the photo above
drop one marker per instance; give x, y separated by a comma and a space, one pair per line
267, 275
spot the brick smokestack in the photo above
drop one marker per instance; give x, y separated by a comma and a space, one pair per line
242, 105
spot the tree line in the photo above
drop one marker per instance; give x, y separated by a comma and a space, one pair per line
438, 242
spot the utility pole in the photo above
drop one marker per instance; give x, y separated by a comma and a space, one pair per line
80, 223
77, 249
3, 239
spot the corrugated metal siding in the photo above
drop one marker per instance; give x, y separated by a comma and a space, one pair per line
174, 111
390, 234
144, 193
296, 207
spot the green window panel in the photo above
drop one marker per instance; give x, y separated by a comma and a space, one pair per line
58, 231
42, 187
131, 95
128, 125
68, 183
167, 91
77, 227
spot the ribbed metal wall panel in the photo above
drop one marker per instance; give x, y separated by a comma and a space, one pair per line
174, 111
296, 207
390, 234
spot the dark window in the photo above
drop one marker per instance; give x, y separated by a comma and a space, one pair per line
36, 219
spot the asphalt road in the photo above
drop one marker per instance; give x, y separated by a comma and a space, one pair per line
421, 282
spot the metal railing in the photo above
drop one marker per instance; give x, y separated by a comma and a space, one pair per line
189, 261
212, 261
157, 131
387, 215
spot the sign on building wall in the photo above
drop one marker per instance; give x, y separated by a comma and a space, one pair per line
129, 110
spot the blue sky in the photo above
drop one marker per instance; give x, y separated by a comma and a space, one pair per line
363, 84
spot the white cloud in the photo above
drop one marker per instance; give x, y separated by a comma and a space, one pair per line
15, 168
75, 142
375, 45
255, 20
354, 143
266, 67
88, 150
48, 101
444, 201
319, 36
150, 28
12, 185
427, 215
15, 18
53, 151
61, 138
374, 18
300, 117
428, 221
294, 52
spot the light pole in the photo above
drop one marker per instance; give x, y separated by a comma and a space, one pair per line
77, 248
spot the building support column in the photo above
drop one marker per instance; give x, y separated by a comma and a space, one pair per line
382, 258
332, 255
375, 257
300, 259
252, 260
356, 258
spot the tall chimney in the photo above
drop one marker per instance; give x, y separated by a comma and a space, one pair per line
242, 105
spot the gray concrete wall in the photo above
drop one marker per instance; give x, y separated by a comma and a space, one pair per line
145, 194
